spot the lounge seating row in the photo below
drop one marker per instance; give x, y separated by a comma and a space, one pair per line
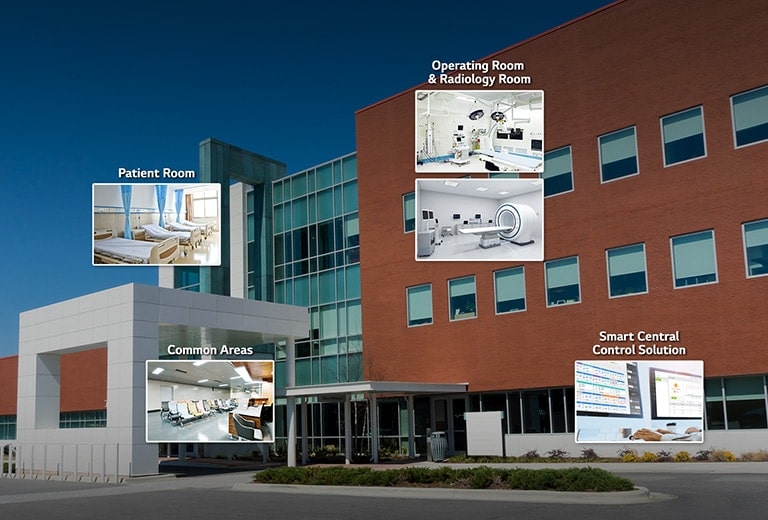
182, 412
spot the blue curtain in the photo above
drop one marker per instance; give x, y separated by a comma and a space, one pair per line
125, 192
179, 196
160, 191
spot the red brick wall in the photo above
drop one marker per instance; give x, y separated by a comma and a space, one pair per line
9, 377
84, 380
626, 65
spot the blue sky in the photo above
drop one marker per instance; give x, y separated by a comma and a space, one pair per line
87, 87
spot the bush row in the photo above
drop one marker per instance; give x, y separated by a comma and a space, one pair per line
483, 477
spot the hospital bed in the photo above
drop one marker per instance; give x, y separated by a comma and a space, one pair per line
191, 239
489, 235
506, 160
182, 226
111, 249
206, 227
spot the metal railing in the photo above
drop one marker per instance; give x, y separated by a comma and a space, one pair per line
71, 462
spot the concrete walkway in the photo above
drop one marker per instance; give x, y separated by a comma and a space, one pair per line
22, 490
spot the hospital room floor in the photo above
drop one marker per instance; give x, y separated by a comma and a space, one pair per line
208, 429
467, 247
208, 253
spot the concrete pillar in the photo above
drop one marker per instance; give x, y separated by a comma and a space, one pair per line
304, 434
347, 429
374, 430
290, 412
411, 427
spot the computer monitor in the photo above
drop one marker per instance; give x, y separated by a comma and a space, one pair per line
607, 389
536, 144
676, 395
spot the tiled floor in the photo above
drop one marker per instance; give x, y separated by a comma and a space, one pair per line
208, 253
467, 247
214, 428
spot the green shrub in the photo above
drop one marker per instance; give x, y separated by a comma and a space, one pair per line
682, 456
483, 477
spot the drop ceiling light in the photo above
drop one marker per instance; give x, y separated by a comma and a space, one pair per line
244, 374
158, 370
452, 184
481, 188
203, 381
503, 193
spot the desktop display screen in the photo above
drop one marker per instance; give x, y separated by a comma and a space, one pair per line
676, 395
607, 389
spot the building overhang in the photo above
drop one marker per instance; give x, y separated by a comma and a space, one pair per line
373, 387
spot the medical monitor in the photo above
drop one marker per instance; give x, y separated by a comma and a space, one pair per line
676, 395
607, 389
536, 145
456, 216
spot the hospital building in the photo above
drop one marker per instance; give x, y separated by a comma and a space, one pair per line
655, 223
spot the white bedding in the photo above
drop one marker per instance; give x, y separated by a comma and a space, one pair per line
155, 231
132, 250
175, 226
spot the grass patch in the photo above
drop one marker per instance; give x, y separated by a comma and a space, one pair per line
483, 477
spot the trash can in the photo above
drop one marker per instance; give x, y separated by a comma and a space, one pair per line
439, 443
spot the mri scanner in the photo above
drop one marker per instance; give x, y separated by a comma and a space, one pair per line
519, 221
514, 223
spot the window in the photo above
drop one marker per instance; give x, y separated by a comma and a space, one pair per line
618, 154
745, 402
750, 116
7, 427
682, 135
85, 419
558, 171
409, 212
562, 280
419, 305
626, 270
756, 247
693, 259
509, 286
461, 296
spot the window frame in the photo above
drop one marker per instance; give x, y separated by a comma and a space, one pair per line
667, 164
570, 159
412, 194
546, 281
744, 245
408, 306
672, 258
608, 270
600, 154
519, 268
736, 145
450, 314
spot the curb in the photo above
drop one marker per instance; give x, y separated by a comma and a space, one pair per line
639, 495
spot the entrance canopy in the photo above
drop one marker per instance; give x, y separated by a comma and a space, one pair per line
374, 387
346, 390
